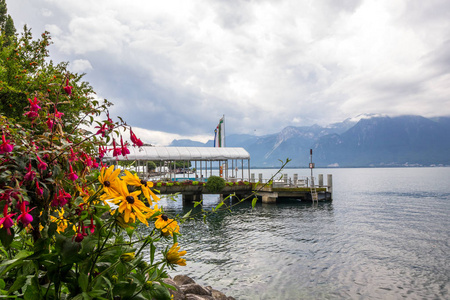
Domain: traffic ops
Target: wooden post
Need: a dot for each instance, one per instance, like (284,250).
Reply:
(330,183)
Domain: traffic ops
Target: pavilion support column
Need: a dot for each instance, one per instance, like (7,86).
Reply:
(269,197)
(190,198)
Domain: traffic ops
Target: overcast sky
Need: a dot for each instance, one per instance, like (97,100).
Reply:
(173,68)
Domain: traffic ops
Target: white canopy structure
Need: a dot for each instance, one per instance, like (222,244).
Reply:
(227,158)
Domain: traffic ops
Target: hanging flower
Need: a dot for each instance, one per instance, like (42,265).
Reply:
(31,115)
(25,216)
(110,123)
(123,147)
(173,256)
(101,151)
(39,190)
(42,165)
(116,150)
(6,146)
(68,88)
(135,140)
(72,175)
(92,226)
(102,129)
(58,114)
(34,104)
(50,123)
(30,175)
(7,222)
(61,199)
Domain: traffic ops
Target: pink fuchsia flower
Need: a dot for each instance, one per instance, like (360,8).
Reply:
(72,175)
(34,104)
(6,146)
(101,151)
(7,221)
(50,123)
(25,216)
(116,150)
(73,156)
(92,226)
(135,140)
(42,165)
(30,175)
(102,129)
(31,115)
(39,190)
(124,148)
(61,199)
(58,114)
(110,123)
(68,88)
(88,161)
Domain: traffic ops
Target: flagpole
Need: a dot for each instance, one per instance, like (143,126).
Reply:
(223,130)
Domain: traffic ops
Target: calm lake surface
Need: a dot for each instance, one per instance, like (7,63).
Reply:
(385,236)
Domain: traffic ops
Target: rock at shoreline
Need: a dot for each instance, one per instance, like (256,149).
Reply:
(187,289)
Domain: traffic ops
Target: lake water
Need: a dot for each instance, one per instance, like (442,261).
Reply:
(385,236)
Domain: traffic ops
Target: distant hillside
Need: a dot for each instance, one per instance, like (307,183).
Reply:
(367,140)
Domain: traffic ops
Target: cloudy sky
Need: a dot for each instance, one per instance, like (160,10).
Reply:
(173,68)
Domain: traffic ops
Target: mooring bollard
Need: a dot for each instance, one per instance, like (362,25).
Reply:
(260,177)
(252,177)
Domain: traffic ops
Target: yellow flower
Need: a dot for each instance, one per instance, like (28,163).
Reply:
(60,221)
(127,257)
(129,203)
(109,179)
(131,179)
(173,256)
(166,225)
(85,193)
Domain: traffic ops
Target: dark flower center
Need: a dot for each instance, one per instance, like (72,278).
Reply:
(143,182)
(164,217)
(107,183)
(130,199)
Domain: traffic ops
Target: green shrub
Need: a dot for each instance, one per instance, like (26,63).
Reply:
(215,184)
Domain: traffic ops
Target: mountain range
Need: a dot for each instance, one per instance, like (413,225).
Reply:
(364,141)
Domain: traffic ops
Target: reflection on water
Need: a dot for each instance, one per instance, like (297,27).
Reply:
(385,236)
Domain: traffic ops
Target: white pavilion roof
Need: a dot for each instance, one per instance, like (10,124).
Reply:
(182,153)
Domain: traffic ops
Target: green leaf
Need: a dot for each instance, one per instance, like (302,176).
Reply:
(254,202)
(83,281)
(159,292)
(219,205)
(2,284)
(32,290)
(187,215)
(17,284)
(6,237)
(152,253)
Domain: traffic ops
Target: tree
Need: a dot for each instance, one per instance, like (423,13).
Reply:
(6,24)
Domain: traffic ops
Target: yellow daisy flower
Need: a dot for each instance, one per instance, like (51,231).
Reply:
(129,203)
(133,179)
(166,225)
(173,256)
(109,178)
(62,223)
